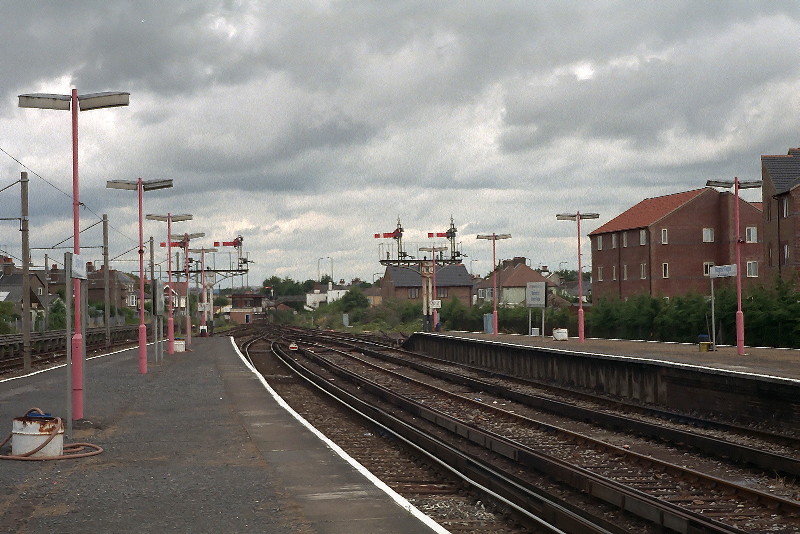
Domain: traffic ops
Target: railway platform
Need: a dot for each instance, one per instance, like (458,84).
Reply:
(198,444)
(783,363)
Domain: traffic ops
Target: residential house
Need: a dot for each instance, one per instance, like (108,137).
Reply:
(665,246)
(781,214)
(123,290)
(373,295)
(405,283)
(512,281)
(11,282)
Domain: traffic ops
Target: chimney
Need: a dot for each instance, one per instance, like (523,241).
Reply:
(89,267)
(8,265)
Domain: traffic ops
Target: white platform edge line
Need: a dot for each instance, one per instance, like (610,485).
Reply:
(396,497)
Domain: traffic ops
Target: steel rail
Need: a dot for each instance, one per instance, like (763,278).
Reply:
(484,478)
(660,512)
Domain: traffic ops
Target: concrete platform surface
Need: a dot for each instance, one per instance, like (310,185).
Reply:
(198,444)
(784,363)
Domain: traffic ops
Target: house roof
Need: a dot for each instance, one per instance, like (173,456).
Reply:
(783,170)
(648,211)
(514,275)
(446,276)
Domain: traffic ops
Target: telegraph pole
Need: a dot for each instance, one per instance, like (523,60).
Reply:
(26,277)
(106,298)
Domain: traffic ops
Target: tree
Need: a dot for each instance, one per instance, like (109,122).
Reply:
(354,299)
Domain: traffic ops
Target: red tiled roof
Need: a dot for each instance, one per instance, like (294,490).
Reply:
(648,211)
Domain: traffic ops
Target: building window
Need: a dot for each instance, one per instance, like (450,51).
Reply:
(643,271)
(600,273)
(613,240)
(752,269)
(664,239)
(40,291)
(441,292)
(624,239)
(624,272)
(751,234)
(599,242)
(490,293)
(665,270)
(786,254)
(613,272)
(707,265)
(785,206)
(642,237)
(769,255)
(413,292)
(132,300)
(708,235)
(481,293)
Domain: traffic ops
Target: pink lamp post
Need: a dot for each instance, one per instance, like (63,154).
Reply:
(75,102)
(577,217)
(169,219)
(737,185)
(494,237)
(141,186)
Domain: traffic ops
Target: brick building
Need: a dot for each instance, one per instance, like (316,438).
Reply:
(664,246)
(405,283)
(781,200)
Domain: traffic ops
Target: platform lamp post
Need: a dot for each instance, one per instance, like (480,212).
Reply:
(202,252)
(737,185)
(577,216)
(185,238)
(494,238)
(75,102)
(169,219)
(140,186)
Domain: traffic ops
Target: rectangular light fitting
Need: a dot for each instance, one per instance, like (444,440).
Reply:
(122,184)
(719,183)
(753,184)
(103,100)
(152,185)
(191,236)
(164,218)
(45,101)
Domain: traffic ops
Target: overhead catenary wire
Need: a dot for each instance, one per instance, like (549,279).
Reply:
(66,194)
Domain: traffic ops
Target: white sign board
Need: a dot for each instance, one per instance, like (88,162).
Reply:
(722,271)
(78,267)
(159,297)
(536,294)
(436,304)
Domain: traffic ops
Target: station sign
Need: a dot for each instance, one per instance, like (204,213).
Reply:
(722,271)
(536,294)
(79,267)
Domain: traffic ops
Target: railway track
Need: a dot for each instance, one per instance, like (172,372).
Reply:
(674,497)
(769,451)
(49,347)
(426,475)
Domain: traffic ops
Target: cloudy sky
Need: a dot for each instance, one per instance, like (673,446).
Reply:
(308,126)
